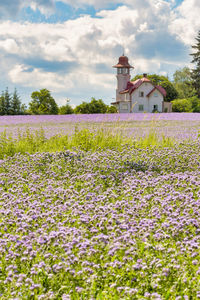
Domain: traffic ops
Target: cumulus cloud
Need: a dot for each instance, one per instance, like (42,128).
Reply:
(186,21)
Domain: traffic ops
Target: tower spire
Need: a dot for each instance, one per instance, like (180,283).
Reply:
(123,54)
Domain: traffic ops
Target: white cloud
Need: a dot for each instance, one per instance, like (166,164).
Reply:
(186,21)
(9,45)
(21,74)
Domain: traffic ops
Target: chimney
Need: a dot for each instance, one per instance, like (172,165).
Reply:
(145,75)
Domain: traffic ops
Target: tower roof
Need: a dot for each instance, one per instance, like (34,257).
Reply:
(123,63)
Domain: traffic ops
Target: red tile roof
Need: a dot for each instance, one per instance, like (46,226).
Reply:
(160,89)
(133,85)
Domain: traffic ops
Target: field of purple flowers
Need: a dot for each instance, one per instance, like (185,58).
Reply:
(176,125)
(109,224)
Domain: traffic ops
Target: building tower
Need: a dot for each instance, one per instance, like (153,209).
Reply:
(123,75)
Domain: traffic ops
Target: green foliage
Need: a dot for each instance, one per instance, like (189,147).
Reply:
(93,107)
(83,139)
(111,109)
(7,100)
(195,74)
(195,102)
(15,104)
(186,105)
(24,110)
(181,105)
(97,106)
(11,104)
(183,83)
(2,105)
(66,110)
(164,82)
(43,103)
(83,108)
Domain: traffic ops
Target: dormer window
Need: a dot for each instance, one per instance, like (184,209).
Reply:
(141,94)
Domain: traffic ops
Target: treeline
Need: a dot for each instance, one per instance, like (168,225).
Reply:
(43,103)
(188,98)
(10,104)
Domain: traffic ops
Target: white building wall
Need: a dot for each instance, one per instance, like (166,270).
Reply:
(147,102)
(124,107)
(145,87)
(156,100)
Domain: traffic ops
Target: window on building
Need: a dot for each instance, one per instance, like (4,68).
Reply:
(141,107)
(124,106)
(141,94)
(125,71)
(155,94)
(119,70)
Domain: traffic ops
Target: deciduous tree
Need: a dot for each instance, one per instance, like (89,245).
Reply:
(66,110)
(43,103)
(93,107)
(183,83)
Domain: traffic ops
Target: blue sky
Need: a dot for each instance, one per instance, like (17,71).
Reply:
(69,47)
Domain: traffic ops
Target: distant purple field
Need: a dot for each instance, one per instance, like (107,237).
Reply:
(12,120)
(177,125)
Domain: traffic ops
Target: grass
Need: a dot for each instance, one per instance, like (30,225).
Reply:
(82,139)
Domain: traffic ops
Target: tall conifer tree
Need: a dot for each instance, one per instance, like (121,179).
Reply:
(15,104)
(196,60)
(7,100)
(2,104)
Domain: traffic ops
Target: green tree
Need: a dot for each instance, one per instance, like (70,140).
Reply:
(183,83)
(2,104)
(66,110)
(15,107)
(164,82)
(195,102)
(181,105)
(83,108)
(93,107)
(196,60)
(111,109)
(7,100)
(24,110)
(97,106)
(43,103)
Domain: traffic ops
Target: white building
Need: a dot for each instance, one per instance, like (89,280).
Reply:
(140,95)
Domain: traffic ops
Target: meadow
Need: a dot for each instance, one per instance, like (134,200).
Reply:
(100,207)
